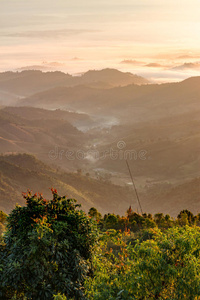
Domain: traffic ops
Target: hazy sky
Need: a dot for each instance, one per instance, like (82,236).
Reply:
(99,33)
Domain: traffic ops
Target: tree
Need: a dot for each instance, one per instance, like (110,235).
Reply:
(187,216)
(148,223)
(159,218)
(162,265)
(183,219)
(47,249)
(111,221)
(93,213)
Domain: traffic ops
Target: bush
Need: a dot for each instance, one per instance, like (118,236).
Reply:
(47,250)
(166,266)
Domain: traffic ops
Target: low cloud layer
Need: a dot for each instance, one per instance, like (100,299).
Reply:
(46,33)
(132,62)
(187,66)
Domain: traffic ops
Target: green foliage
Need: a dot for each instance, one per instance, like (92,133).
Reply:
(164,266)
(185,217)
(3,218)
(50,251)
(47,250)
(2,228)
(148,223)
(59,297)
(93,213)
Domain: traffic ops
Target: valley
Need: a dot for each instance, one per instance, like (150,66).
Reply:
(86,129)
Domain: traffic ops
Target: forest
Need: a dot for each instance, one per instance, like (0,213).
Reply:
(52,249)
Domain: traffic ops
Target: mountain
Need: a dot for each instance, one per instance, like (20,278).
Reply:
(26,83)
(112,77)
(131,103)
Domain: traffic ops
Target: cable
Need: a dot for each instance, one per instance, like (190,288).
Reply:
(138,199)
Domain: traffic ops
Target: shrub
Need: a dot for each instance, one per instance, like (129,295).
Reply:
(166,266)
(47,249)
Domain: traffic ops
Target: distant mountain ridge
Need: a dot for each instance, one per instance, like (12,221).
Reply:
(25,83)
(132,102)
(113,77)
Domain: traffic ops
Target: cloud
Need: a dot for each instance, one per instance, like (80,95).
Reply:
(187,66)
(154,65)
(53,64)
(144,64)
(47,33)
(187,56)
(33,67)
(132,62)
(45,66)
(177,56)
(76,58)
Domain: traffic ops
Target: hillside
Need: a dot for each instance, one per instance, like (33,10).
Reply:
(185,195)
(172,145)
(130,103)
(79,120)
(21,172)
(38,134)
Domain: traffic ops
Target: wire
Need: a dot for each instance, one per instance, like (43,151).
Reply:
(134,187)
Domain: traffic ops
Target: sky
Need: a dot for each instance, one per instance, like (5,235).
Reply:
(159,39)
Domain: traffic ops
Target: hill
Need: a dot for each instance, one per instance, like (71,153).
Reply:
(185,195)
(130,103)
(26,83)
(112,77)
(78,120)
(171,144)
(38,135)
(21,172)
